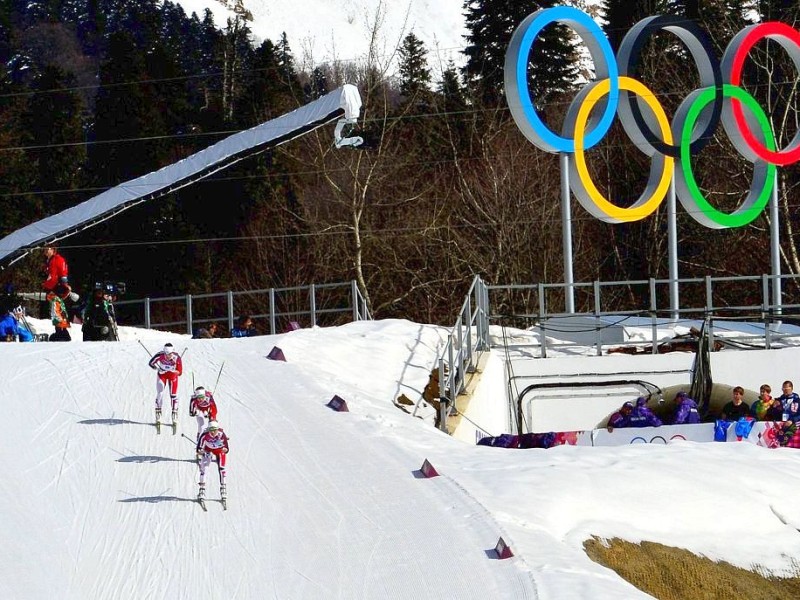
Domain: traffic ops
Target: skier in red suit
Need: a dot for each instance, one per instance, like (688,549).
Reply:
(169,365)
(202,407)
(213,443)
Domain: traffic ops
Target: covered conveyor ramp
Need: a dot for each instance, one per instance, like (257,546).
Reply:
(343,103)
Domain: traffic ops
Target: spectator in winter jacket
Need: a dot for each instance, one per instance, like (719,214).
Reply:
(57,273)
(621,418)
(98,324)
(207,334)
(685,410)
(245,327)
(788,395)
(793,412)
(58,315)
(55,268)
(643,416)
(766,408)
(25,331)
(736,408)
(9,329)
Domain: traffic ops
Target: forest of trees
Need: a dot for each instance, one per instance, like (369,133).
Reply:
(96,92)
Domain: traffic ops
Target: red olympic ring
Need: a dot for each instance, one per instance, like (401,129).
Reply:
(780,32)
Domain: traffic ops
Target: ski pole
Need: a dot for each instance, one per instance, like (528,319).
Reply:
(218,376)
(145,348)
(194,442)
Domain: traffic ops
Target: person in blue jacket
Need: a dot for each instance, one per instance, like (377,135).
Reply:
(788,396)
(244,328)
(793,412)
(26,332)
(9,329)
(685,410)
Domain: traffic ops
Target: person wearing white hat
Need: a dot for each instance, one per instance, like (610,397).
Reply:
(169,365)
(213,444)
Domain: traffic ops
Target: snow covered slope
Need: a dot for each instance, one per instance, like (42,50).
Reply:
(96,505)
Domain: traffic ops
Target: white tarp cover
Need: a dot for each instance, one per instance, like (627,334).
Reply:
(343,102)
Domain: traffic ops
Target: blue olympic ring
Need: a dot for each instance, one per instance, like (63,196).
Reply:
(516,75)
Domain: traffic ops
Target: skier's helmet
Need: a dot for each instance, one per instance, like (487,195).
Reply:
(213,426)
(199,392)
(168,348)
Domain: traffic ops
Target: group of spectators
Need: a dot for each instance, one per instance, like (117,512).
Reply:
(639,415)
(244,328)
(785,407)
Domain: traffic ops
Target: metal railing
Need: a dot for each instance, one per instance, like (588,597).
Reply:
(272,310)
(746,299)
(468,338)
(726,299)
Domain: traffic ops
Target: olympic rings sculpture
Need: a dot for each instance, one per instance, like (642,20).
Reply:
(670,145)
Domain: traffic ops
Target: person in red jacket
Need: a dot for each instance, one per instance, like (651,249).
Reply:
(55,268)
(169,365)
(212,444)
(202,407)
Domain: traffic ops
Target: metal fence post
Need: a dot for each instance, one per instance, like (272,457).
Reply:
(709,310)
(147,313)
(230,311)
(485,315)
(312,292)
(189,314)
(543,332)
(470,367)
(597,322)
(354,299)
(272,311)
(765,310)
(654,314)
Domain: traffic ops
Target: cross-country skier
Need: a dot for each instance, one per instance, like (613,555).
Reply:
(213,443)
(169,365)
(202,407)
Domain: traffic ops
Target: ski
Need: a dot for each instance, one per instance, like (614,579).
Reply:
(201,498)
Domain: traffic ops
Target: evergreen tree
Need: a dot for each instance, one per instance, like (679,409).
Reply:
(286,62)
(54,129)
(786,11)
(236,54)
(91,27)
(317,84)
(552,67)
(415,76)
(265,95)
(126,109)
(621,15)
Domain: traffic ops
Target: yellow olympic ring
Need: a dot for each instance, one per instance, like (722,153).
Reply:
(644,206)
